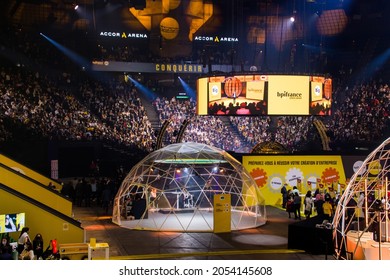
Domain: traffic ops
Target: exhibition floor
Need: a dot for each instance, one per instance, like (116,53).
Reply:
(268,242)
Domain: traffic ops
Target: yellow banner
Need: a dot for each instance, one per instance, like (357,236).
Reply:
(222,213)
(304,172)
(255,90)
(288,95)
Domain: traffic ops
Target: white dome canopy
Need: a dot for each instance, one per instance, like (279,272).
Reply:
(173,189)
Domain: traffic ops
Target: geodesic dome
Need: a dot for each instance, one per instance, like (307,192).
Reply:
(361,221)
(173,189)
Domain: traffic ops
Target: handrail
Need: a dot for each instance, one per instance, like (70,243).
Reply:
(46,208)
(33,181)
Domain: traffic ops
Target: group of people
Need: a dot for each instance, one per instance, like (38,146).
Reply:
(25,249)
(323,204)
(94,191)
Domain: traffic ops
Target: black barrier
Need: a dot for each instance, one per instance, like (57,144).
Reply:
(306,235)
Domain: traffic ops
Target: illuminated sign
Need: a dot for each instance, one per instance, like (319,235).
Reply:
(264,95)
(182,95)
(216,39)
(123,35)
(121,66)
(175,68)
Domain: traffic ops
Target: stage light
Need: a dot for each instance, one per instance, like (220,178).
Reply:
(292,19)
(76,7)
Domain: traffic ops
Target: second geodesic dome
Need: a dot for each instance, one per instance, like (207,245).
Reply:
(361,222)
(173,189)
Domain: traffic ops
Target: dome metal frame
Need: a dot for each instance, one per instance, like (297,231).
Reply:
(173,189)
(361,224)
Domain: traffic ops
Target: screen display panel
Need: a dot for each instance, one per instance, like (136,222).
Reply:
(264,95)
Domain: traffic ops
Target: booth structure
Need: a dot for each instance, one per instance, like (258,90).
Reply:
(362,219)
(174,189)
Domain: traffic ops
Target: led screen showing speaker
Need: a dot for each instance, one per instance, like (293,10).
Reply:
(264,95)
(11,222)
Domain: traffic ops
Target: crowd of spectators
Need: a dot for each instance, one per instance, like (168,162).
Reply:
(362,116)
(71,105)
(210,130)
(118,106)
(253,129)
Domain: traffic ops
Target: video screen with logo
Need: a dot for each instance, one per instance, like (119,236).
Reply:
(12,222)
(258,95)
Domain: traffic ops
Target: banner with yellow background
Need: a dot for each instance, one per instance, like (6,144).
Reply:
(304,172)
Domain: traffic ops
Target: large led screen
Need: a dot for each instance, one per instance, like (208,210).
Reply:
(264,95)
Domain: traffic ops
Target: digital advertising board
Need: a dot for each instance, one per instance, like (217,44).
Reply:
(258,94)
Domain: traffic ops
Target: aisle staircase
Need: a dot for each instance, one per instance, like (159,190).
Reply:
(233,131)
(150,111)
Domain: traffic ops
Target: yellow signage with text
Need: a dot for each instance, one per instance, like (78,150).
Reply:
(291,100)
(222,213)
(305,172)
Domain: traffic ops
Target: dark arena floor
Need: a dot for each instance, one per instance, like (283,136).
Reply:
(267,242)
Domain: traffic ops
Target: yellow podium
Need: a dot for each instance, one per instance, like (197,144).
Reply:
(93,246)
(222,213)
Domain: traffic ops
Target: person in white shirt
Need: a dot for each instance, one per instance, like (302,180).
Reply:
(23,238)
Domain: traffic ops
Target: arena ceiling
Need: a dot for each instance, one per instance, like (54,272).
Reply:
(61,13)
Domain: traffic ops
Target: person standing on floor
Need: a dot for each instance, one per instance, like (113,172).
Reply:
(327,209)
(290,204)
(283,191)
(297,206)
(360,206)
(308,204)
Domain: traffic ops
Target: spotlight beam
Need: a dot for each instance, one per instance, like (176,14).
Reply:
(143,89)
(191,92)
(78,59)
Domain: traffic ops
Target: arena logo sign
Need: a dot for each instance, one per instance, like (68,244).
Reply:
(216,39)
(123,35)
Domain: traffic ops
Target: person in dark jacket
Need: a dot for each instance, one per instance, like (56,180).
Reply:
(297,206)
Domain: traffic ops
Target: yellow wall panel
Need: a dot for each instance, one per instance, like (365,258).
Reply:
(40,221)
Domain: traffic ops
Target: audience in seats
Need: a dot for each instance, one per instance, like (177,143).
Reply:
(45,93)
